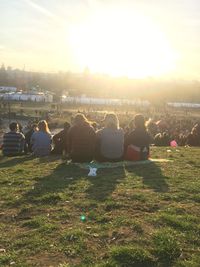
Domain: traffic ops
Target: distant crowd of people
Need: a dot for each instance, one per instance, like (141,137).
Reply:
(84,141)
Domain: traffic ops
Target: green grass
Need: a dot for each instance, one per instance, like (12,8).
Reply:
(144,215)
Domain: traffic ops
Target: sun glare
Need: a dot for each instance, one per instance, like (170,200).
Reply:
(122,43)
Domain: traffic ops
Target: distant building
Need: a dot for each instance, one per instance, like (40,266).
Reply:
(183,105)
(34,97)
(103,101)
(6,89)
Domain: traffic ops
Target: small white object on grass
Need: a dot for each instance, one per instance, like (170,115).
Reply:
(169,150)
(92,172)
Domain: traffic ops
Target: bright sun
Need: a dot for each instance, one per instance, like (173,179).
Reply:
(122,43)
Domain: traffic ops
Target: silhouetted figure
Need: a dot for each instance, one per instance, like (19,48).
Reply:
(28,135)
(60,140)
(162,139)
(193,138)
(138,141)
(81,140)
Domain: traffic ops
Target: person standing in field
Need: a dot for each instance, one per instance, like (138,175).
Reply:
(13,141)
(41,140)
(81,140)
(110,140)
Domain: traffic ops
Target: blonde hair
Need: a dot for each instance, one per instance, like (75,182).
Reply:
(43,126)
(111,121)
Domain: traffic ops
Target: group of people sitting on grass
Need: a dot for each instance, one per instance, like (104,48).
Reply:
(84,141)
(81,142)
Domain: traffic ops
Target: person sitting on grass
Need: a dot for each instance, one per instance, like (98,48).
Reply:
(60,140)
(193,139)
(162,139)
(138,141)
(13,141)
(81,140)
(110,140)
(28,135)
(41,140)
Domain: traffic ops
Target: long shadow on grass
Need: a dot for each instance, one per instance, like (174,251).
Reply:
(151,175)
(46,189)
(7,162)
(105,183)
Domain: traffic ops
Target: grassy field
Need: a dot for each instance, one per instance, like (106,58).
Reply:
(53,214)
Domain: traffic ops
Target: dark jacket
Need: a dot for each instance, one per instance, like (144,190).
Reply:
(139,138)
(60,142)
(193,139)
(28,145)
(81,142)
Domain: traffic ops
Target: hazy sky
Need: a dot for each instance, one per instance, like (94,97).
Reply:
(37,33)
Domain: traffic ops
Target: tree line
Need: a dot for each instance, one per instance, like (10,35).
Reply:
(101,85)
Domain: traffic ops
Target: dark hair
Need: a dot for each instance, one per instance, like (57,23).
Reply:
(34,125)
(66,125)
(13,126)
(80,119)
(139,121)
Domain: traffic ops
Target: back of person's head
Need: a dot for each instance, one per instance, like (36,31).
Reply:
(34,127)
(80,119)
(66,125)
(43,126)
(111,121)
(14,126)
(139,121)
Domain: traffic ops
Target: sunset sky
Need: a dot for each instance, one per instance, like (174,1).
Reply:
(139,39)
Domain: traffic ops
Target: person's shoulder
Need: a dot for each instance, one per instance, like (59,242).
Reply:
(21,135)
(49,135)
(92,130)
(72,128)
(133,132)
(6,134)
(121,130)
(102,130)
(34,134)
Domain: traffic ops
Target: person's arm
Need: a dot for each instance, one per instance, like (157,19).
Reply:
(98,144)
(57,137)
(22,143)
(69,140)
(32,140)
(127,141)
